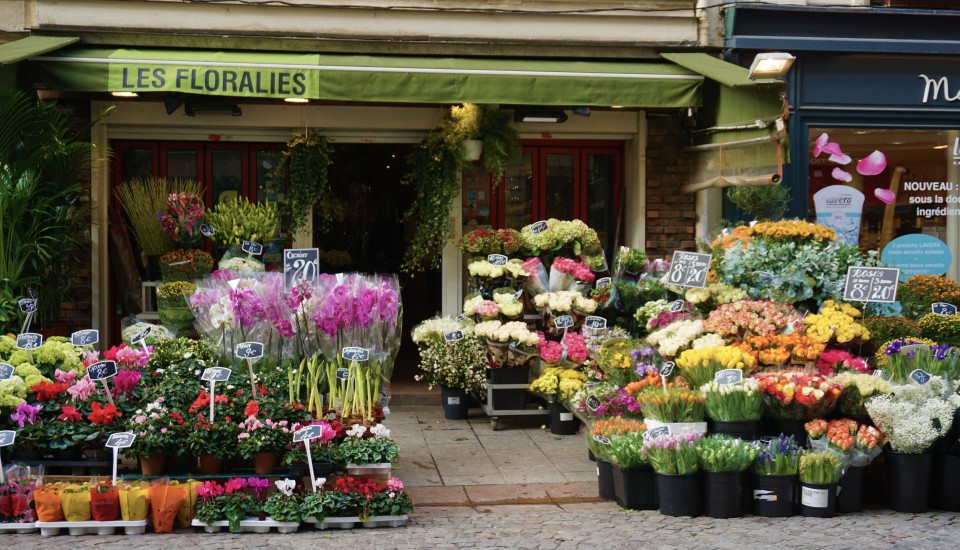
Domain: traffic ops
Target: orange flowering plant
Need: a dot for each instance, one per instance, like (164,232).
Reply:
(919,292)
(783,349)
(795,395)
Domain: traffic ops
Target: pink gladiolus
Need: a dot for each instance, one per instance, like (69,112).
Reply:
(872,164)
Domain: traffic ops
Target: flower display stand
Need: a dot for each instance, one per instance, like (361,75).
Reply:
(18,528)
(249,525)
(52,528)
(495,414)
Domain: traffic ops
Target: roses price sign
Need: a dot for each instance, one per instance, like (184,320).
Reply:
(120,440)
(689,269)
(871,284)
(300,265)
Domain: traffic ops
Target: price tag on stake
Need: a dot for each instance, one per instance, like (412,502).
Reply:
(667,368)
(120,440)
(518,295)
(943,308)
(497,259)
(307,433)
(87,337)
(656,432)
(355,354)
(538,227)
(601,439)
(207,230)
(216,374)
(139,337)
(595,322)
(27,305)
(453,335)
(29,340)
(676,306)
(252,248)
(563,321)
(461,317)
(7,437)
(593,403)
(249,350)
(343,374)
(603,282)
(300,265)
(102,370)
(878,373)
(871,284)
(729,376)
(6,371)
(689,269)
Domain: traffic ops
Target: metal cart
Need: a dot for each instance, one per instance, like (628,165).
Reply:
(495,414)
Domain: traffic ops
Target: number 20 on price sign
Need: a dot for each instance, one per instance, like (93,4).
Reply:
(871,284)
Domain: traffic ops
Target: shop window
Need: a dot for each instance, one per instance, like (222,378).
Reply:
(908,180)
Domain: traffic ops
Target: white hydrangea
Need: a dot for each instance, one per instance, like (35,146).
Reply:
(913,417)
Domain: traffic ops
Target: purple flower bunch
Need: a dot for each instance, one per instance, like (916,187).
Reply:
(646,359)
(673,454)
(616,402)
(26,414)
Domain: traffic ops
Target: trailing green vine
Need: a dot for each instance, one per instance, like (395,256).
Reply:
(305,161)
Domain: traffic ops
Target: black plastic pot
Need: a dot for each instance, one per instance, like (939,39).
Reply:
(635,488)
(774,496)
(946,490)
(723,494)
(850,499)
(747,430)
(908,480)
(455,404)
(605,486)
(562,421)
(679,495)
(818,501)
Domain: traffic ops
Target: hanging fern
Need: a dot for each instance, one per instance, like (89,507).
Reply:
(305,162)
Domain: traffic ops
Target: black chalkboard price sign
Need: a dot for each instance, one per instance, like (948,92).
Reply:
(497,259)
(29,340)
(249,350)
(252,248)
(216,374)
(7,437)
(943,308)
(141,336)
(563,321)
(920,376)
(538,227)
(871,284)
(6,371)
(595,322)
(689,269)
(355,354)
(27,305)
(120,440)
(656,432)
(87,337)
(300,265)
(102,370)
(729,376)
(667,368)
(307,433)
(453,335)
(207,230)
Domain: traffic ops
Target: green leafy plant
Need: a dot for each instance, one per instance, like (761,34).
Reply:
(237,220)
(721,453)
(765,202)
(820,468)
(283,507)
(304,162)
(370,450)
(626,451)
(501,141)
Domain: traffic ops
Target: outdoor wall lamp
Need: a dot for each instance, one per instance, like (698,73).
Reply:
(770,65)
(539,114)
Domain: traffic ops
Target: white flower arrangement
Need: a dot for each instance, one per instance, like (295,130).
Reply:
(675,337)
(913,417)
(485,269)
(241,264)
(158,333)
(461,364)
(514,331)
(709,340)
(432,330)
(564,301)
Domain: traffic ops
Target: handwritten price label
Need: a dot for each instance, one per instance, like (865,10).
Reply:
(497,259)
(729,376)
(29,340)
(7,437)
(252,248)
(87,337)
(27,305)
(920,376)
(249,350)
(563,321)
(300,265)
(689,269)
(216,374)
(538,227)
(355,354)
(595,322)
(102,370)
(943,308)
(667,369)
(207,230)
(307,433)
(453,335)
(871,284)
(659,431)
(6,371)
(120,440)
(141,336)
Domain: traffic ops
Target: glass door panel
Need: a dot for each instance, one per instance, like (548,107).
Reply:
(560,174)
(266,188)
(183,164)
(226,174)
(136,163)
(602,181)
(518,193)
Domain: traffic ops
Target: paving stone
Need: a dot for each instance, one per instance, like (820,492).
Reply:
(507,494)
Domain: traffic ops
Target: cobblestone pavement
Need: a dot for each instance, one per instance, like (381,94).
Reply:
(588,526)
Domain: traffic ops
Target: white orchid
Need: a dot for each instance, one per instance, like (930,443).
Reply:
(285,486)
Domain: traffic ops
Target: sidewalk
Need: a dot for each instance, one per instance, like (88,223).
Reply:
(467,463)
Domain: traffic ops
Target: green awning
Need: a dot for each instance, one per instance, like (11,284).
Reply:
(31,46)
(371,78)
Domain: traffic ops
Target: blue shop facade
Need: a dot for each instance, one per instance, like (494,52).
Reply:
(874,103)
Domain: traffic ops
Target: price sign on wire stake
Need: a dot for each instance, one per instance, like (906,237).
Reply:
(943,308)
(249,350)
(676,306)
(355,354)
(252,248)
(871,284)
(497,259)
(6,371)
(207,230)
(538,227)
(29,340)
(665,371)
(729,376)
(343,373)
(689,269)
(306,434)
(453,335)
(601,439)
(603,282)
(300,265)
(27,305)
(656,432)
(593,403)
(141,337)
(87,337)
(563,321)
(116,441)
(6,438)
(102,371)
(461,317)
(214,375)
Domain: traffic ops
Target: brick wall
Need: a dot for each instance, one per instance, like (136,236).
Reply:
(671,215)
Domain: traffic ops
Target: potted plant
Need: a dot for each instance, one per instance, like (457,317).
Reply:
(67,434)
(792,398)
(733,409)
(172,304)
(261,441)
(634,483)
(389,505)
(913,418)
(185,264)
(558,385)
(213,442)
(775,477)
(599,440)
(457,366)
(819,474)
(159,432)
(237,220)
(679,408)
(725,462)
(304,164)
(231,503)
(368,456)
(285,506)
(674,459)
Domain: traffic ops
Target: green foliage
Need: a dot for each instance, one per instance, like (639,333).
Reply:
(721,453)
(283,508)
(765,202)
(370,450)
(141,199)
(237,220)
(501,141)
(305,162)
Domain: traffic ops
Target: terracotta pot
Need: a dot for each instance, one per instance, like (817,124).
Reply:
(152,465)
(264,463)
(210,464)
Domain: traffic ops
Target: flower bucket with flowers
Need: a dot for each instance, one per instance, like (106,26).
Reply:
(725,463)
(674,459)
(819,474)
(775,477)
